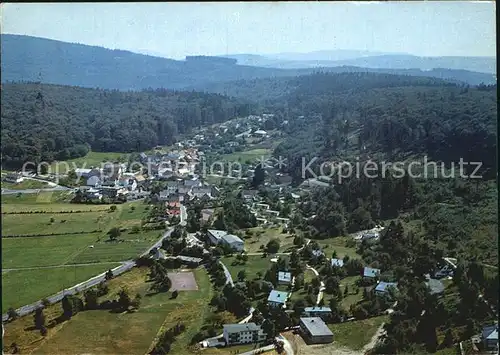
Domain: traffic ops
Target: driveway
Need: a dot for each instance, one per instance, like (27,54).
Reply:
(229,278)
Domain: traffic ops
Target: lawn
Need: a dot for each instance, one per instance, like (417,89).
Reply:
(27,286)
(45,197)
(253,155)
(255,263)
(355,335)
(102,332)
(339,245)
(19,224)
(91,159)
(51,208)
(262,236)
(25,184)
(44,251)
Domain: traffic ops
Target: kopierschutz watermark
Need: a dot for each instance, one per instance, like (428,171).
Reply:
(338,171)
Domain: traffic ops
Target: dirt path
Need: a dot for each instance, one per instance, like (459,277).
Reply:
(380,331)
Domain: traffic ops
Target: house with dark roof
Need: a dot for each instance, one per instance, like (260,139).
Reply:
(315,331)
(316,311)
(489,336)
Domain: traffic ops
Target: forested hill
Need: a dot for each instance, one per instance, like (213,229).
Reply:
(26,58)
(271,90)
(391,117)
(43,122)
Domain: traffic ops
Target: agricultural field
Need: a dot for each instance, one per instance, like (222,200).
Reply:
(25,184)
(338,244)
(255,264)
(43,197)
(262,236)
(21,287)
(355,335)
(68,257)
(101,331)
(89,160)
(251,155)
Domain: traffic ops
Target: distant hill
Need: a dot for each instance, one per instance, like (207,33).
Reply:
(26,58)
(366,59)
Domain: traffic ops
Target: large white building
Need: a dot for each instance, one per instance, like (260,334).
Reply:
(222,237)
(243,333)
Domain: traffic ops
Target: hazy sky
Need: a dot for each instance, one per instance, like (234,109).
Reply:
(179,29)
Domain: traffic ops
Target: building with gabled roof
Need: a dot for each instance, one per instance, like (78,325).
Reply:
(337,262)
(284,277)
(277,298)
(371,272)
(243,333)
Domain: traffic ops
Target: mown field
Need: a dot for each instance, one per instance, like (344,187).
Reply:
(261,236)
(21,287)
(104,332)
(89,160)
(252,155)
(355,335)
(54,254)
(25,184)
(255,264)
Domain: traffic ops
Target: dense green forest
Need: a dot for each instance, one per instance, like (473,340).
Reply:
(44,122)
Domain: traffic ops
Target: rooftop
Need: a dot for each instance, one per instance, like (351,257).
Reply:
(337,262)
(217,233)
(284,276)
(490,332)
(435,286)
(230,238)
(277,296)
(316,326)
(384,286)
(244,327)
(317,309)
(370,272)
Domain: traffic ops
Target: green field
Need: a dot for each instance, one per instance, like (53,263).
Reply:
(339,245)
(254,264)
(262,236)
(44,251)
(355,335)
(86,162)
(43,197)
(61,251)
(16,224)
(22,287)
(25,184)
(103,332)
(252,155)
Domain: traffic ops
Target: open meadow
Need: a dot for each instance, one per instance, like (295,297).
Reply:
(105,332)
(252,155)
(25,184)
(261,236)
(92,159)
(41,264)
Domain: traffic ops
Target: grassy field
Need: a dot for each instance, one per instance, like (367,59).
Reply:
(68,248)
(262,236)
(16,224)
(339,245)
(102,332)
(22,287)
(245,155)
(254,264)
(44,251)
(89,160)
(25,184)
(43,197)
(355,335)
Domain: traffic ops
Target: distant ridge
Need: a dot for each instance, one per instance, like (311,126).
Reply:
(26,58)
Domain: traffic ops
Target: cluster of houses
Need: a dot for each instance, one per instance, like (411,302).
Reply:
(185,190)
(262,211)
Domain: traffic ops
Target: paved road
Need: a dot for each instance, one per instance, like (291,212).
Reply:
(322,285)
(126,265)
(183,215)
(229,278)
